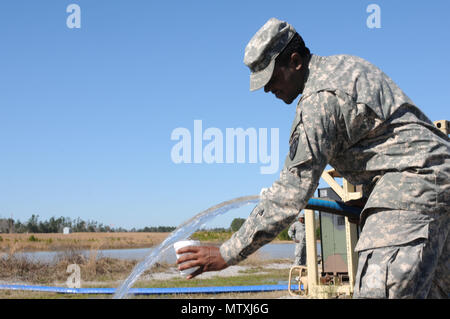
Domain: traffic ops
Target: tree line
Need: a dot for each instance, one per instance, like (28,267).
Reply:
(56,225)
(237,223)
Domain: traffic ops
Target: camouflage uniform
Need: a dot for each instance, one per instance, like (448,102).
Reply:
(354,117)
(297,232)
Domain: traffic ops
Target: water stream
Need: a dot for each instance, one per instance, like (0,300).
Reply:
(181,232)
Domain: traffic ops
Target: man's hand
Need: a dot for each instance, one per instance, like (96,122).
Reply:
(208,258)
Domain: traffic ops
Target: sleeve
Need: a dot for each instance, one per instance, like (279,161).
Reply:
(313,141)
(291,231)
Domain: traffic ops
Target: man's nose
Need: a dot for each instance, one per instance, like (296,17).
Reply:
(267,87)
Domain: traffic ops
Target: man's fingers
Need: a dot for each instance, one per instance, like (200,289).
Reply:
(207,258)
(186,257)
(190,264)
(188,249)
(195,273)
(187,253)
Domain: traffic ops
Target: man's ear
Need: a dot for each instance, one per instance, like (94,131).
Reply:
(296,61)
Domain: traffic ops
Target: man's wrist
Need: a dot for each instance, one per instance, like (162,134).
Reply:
(229,253)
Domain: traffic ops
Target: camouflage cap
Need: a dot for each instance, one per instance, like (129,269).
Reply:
(263,48)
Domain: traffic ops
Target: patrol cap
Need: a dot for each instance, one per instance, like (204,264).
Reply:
(262,50)
(301,214)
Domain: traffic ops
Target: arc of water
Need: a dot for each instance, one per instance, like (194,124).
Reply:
(181,232)
(190,226)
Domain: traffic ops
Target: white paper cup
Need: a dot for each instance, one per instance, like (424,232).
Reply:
(185,243)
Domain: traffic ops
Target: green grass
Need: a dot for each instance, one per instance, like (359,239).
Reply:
(221,236)
(213,236)
(32,238)
(249,277)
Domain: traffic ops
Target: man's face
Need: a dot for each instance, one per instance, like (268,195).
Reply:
(286,82)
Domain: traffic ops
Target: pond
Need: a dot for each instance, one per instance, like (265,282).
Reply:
(269,251)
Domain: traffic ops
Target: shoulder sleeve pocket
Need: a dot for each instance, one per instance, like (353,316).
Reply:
(299,149)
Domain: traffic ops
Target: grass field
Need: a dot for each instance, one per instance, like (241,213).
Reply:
(249,277)
(11,243)
(56,241)
(109,272)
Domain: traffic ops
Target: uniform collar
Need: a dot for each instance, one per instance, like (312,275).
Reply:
(311,73)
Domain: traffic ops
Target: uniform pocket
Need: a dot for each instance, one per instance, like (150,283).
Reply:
(370,281)
(443,190)
(299,149)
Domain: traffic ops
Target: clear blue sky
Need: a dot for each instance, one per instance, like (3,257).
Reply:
(86,115)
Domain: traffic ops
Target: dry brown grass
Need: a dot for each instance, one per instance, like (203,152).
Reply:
(109,272)
(20,269)
(49,242)
(95,272)
(75,241)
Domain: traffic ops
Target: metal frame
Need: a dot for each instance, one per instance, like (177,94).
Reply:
(443,125)
(315,289)
(303,280)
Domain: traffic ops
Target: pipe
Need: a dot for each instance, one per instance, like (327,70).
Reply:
(153,291)
(333,207)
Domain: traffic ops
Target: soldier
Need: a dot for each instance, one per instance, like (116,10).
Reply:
(354,117)
(297,233)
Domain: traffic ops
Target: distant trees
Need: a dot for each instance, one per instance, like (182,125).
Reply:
(158,229)
(236,224)
(6,225)
(56,225)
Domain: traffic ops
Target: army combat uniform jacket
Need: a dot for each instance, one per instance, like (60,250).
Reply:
(354,117)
